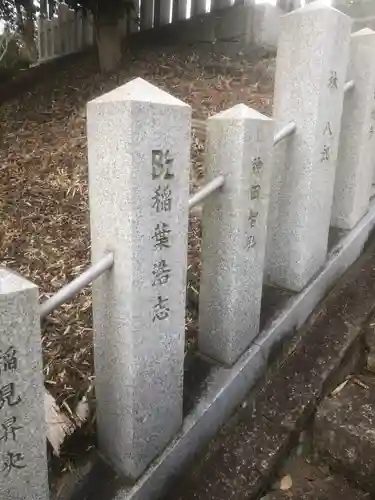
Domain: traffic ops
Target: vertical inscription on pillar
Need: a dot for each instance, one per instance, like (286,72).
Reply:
(162,202)
(255,192)
(11,458)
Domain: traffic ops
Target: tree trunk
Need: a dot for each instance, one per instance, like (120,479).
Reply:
(109,46)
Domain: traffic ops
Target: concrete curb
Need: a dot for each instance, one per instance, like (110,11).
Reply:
(226,388)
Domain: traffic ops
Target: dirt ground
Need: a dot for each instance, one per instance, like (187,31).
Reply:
(44,232)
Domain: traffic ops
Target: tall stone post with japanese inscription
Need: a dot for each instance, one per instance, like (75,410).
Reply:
(312,59)
(165,11)
(179,11)
(72,31)
(139,161)
(56,36)
(356,156)
(49,38)
(79,30)
(63,14)
(198,7)
(41,39)
(220,4)
(239,146)
(23,446)
(147,14)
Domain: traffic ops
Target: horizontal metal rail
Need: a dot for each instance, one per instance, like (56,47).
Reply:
(349,85)
(208,189)
(69,291)
(285,132)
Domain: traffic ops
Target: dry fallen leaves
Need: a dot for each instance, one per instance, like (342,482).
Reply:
(339,388)
(286,483)
(59,426)
(350,378)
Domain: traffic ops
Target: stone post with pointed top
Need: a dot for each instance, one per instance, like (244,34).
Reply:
(356,155)
(239,146)
(311,70)
(139,160)
(23,445)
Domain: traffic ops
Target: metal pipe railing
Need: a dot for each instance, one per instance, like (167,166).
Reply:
(93,272)
(208,189)
(218,182)
(71,289)
(285,132)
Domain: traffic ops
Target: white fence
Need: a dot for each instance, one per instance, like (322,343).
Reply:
(274,188)
(248,22)
(64,34)
(70,32)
